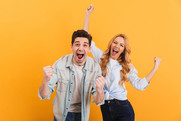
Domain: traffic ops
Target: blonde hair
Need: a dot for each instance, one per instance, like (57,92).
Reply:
(123,59)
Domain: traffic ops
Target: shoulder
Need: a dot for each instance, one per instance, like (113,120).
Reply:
(62,62)
(93,65)
(132,68)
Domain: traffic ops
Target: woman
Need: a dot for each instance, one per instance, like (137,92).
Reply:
(117,69)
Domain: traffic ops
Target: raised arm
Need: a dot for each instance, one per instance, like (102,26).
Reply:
(152,72)
(98,88)
(139,83)
(49,82)
(96,52)
(44,90)
(89,10)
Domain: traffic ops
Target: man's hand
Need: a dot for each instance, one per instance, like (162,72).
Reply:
(100,82)
(47,72)
(87,16)
(90,9)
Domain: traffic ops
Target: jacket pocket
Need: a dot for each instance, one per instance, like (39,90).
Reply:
(63,85)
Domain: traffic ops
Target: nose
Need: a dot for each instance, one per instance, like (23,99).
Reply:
(117,45)
(81,47)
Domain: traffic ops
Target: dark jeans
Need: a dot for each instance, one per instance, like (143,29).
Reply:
(72,117)
(117,110)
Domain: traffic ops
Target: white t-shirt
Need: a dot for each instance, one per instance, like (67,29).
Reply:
(75,105)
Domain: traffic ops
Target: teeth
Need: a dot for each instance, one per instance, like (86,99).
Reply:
(115,51)
(80,54)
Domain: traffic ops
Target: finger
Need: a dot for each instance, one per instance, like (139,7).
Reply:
(99,76)
(155,59)
(48,66)
(97,84)
(51,68)
(99,80)
(158,59)
(103,80)
(92,7)
(50,71)
(89,8)
(51,74)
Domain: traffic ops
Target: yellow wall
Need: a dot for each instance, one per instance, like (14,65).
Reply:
(35,33)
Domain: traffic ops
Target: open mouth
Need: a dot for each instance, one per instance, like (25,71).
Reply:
(80,56)
(114,52)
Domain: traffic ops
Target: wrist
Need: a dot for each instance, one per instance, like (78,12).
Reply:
(45,80)
(155,68)
(87,14)
(100,91)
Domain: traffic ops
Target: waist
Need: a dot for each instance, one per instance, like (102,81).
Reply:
(116,101)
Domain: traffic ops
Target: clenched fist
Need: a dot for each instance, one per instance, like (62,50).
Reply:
(90,9)
(47,72)
(100,82)
(157,62)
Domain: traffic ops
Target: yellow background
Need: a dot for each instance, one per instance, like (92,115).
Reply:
(35,33)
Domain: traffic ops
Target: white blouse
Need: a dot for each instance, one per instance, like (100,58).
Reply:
(112,88)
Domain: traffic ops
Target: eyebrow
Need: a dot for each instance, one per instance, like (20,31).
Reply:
(86,43)
(117,42)
(79,42)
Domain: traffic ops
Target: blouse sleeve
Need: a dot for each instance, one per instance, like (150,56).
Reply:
(136,82)
(96,52)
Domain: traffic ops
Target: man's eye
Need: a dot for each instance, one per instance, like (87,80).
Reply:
(85,45)
(76,44)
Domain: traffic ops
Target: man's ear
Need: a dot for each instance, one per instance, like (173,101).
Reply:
(90,49)
(71,48)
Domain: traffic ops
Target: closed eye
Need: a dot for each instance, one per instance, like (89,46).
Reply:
(115,42)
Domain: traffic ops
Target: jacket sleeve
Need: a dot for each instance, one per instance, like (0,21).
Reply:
(94,92)
(52,83)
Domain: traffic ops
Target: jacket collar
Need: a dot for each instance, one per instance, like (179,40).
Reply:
(87,65)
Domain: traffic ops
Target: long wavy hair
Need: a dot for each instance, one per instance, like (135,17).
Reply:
(123,59)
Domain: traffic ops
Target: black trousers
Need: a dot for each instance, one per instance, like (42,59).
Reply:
(117,110)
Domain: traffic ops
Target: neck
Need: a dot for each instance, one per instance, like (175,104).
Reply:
(78,64)
(114,58)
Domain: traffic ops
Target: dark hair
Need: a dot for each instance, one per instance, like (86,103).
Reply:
(81,33)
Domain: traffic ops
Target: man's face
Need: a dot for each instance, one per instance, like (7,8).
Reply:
(80,49)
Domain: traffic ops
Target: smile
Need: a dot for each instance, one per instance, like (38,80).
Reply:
(80,56)
(115,51)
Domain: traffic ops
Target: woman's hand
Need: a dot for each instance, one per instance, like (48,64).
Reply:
(157,62)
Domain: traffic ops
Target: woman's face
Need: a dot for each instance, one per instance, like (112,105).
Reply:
(117,47)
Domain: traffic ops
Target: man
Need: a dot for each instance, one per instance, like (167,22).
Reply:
(76,76)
